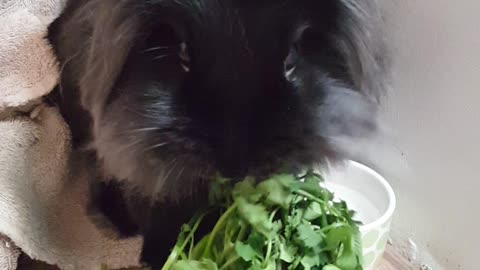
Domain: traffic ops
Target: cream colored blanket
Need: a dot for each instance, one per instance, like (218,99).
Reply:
(43,189)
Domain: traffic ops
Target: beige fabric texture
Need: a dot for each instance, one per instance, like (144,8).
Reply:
(43,187)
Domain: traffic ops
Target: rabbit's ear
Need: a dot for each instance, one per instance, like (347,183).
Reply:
(113,33)
(93,47)
(361,42)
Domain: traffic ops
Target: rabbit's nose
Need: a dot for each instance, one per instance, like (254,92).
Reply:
(232,156)
(233,169)
(233,161)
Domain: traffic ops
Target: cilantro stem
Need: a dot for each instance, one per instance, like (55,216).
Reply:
(319,201)
(272,215)
(270,242)
(225,253)
(333,226)
(217,228)
(190,250)
(324,216)
(269,252)
(239,237)
(242,232)
(307,195)
(230,262)
(322,203)
(178,250)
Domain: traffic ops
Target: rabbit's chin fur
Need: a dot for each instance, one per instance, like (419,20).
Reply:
(168,93)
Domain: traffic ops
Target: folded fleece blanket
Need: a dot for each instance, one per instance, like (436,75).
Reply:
(43,187)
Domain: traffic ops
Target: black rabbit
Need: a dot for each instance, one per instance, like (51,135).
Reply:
(167,93)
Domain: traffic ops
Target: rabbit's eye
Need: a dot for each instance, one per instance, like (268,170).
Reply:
(184,57)
(291,62)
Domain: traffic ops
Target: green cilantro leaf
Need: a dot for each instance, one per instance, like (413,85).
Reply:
(287,251)
(246,252)
(308,236)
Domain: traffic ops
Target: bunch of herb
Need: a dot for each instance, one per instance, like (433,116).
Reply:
(285,222)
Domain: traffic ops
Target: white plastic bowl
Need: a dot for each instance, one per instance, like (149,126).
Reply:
(372,197)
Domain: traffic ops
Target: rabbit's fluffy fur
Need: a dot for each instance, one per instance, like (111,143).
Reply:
(169,92)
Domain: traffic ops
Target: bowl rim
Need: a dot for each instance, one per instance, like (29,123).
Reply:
(388,214)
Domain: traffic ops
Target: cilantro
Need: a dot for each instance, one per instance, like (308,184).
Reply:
(309,237)
(285,222)
(246,252)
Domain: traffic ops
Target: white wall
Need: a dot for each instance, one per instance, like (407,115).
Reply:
(435,115)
